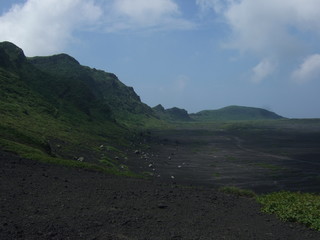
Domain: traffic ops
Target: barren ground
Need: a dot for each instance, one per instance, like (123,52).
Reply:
(271,161)
(42,201)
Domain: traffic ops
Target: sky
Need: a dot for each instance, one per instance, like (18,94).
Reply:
(191,54)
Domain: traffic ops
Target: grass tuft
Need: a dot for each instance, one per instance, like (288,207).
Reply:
(237,191)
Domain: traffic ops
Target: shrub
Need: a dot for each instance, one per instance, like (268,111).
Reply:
(294,207)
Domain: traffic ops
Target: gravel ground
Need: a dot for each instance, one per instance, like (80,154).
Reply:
(43,201)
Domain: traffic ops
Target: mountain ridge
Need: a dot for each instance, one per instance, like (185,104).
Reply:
(104,87)
(62,80)
(171,114)
(92,90)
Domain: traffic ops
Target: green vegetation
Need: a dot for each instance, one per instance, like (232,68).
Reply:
(268,166)
(172,114)
(237,191)
(231,158)
(59,108)
(234,113)
(288,206)
(52,108)
(109,163)
(294,207)
(38,155)
(217,175)
(196,149)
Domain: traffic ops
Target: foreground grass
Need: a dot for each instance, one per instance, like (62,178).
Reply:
(32,153)
(293,207)
(298,207)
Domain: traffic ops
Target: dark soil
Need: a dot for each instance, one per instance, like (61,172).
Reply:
(42,201)
(263,161)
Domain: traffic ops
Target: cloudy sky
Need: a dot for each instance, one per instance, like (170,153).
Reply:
(193,54)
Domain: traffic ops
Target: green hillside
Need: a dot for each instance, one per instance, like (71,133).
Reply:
(91,89)
(235,113)
(65,110)
(56,109)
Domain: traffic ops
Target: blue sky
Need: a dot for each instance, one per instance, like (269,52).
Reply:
(192,54)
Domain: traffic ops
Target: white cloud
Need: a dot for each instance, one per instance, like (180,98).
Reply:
(269,29)
(205,5)
(45,26)
(42,27)
(264,69)
(260,26)
(146,10)
(143,14)
(216,5)
(309,70)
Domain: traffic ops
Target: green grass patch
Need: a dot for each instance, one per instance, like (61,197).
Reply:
(32,153)
(216,175)
(237,191)
(195,150)
(231,158)
(112,149)
(293,207)
(268,166)
(108,162)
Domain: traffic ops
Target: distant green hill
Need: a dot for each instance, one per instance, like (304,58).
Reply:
(234,113)
(171,114)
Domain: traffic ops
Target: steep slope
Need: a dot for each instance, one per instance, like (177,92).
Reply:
(62,109)
(233,113)
(63,82)
(98,88)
